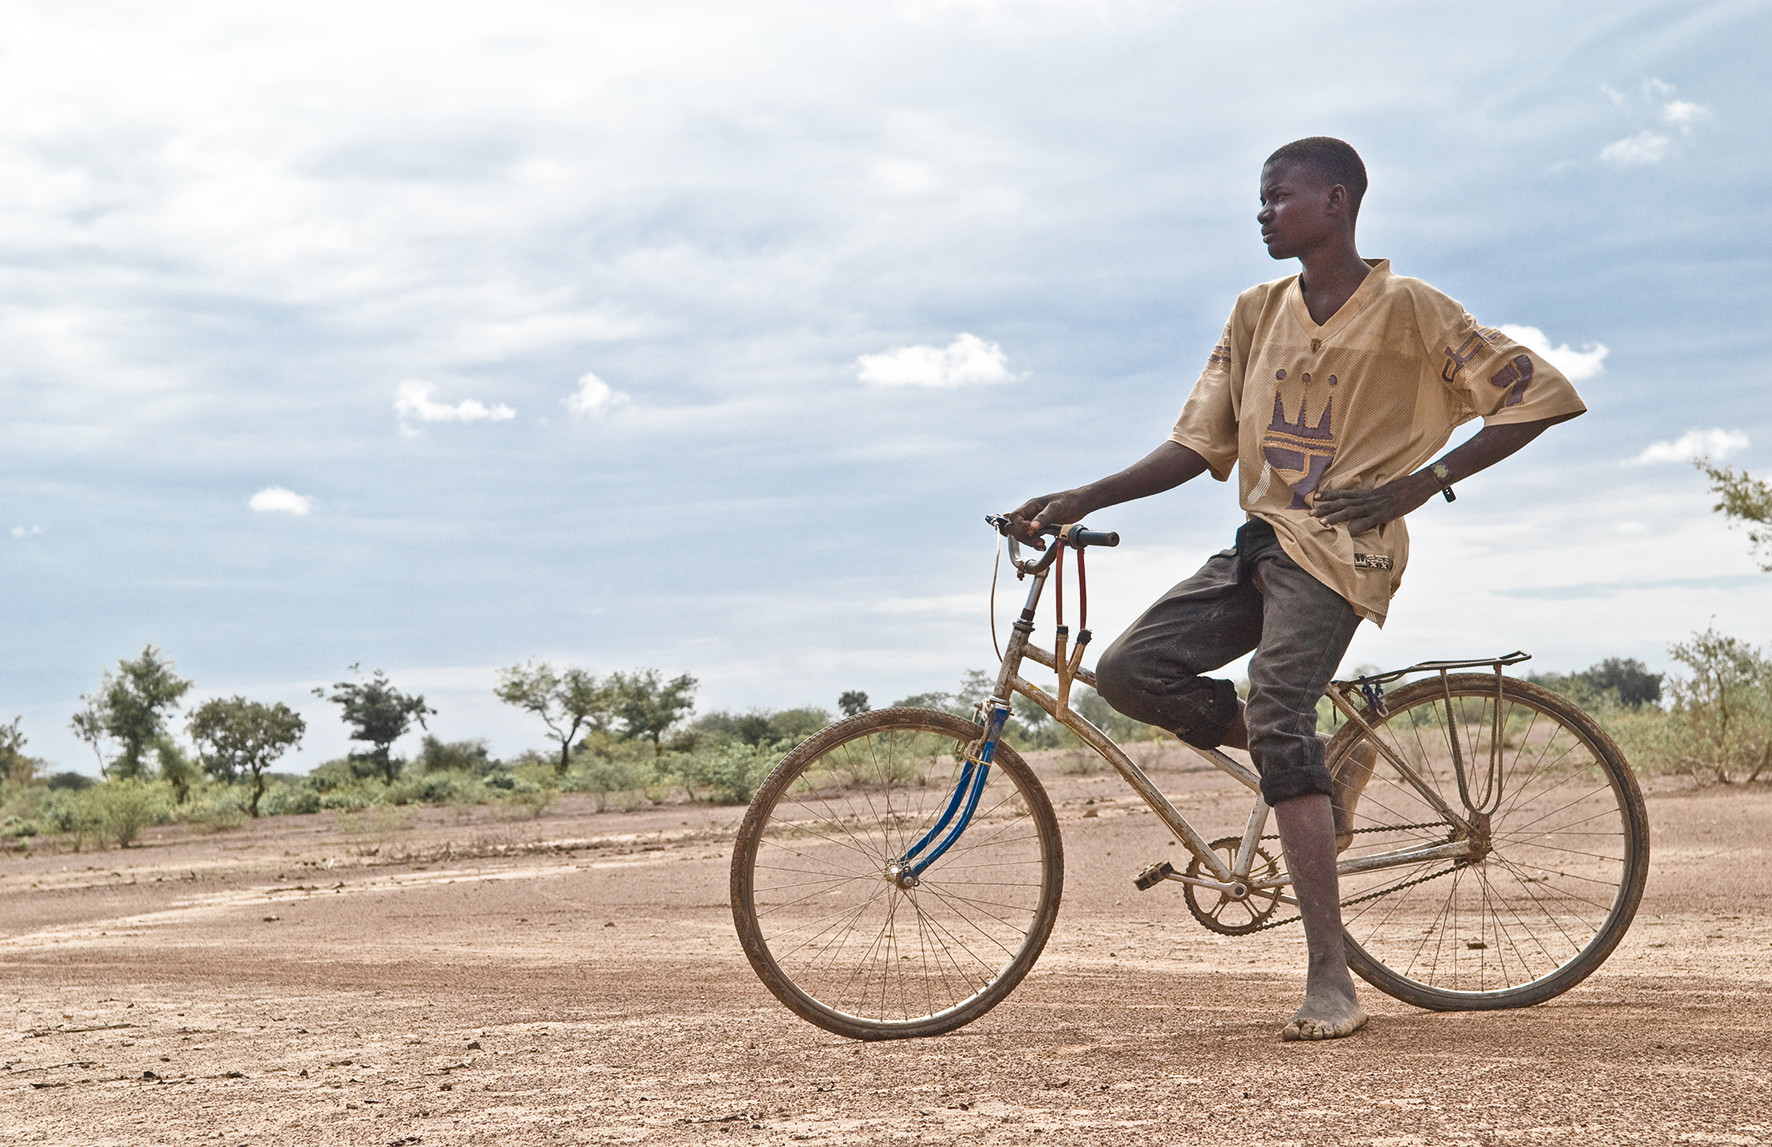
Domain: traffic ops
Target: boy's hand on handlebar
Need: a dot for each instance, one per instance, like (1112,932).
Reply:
(1047,512)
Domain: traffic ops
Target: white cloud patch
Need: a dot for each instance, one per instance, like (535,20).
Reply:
(1575,364)
(1713,443)
(414,401)
(594,396)
(967,361)
(1645,147)
(26,531)
(1683,114)
(277,500)
(1651,146)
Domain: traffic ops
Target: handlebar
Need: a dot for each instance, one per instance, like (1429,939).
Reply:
(1073,535)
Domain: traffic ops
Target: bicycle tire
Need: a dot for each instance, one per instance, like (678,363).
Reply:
(1568,847)
(842,945)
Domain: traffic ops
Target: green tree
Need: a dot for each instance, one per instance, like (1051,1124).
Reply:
(15,766)
(238,738)
(646,705)
(853,703)
(1722,715)
(176,768)
(378,715)
(1627,677)
(568,701)
(130,707)
(471,757)
(1742,498)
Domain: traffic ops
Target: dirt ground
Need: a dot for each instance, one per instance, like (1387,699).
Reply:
(436,977)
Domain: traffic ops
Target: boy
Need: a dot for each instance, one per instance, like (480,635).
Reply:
(1327,392)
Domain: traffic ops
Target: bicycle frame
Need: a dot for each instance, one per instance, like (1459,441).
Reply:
(1231,878)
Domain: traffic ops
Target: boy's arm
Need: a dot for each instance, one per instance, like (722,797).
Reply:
(1164,468)
(1362,510)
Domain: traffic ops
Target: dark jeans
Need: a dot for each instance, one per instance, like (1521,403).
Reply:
(1251,596)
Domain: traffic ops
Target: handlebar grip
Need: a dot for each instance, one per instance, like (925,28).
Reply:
(1076,535)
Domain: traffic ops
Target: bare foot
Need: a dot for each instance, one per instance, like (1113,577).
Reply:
(1314,1021)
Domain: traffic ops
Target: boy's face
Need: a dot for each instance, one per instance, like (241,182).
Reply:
(1299,209)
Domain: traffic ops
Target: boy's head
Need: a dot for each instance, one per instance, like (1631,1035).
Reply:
(1333,160)
(1310,188)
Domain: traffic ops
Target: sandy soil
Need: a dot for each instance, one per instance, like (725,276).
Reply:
(445,978)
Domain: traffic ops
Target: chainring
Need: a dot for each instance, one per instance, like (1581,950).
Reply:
(1247,915)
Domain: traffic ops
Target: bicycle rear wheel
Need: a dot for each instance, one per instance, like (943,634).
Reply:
(842,944)
(1560,861)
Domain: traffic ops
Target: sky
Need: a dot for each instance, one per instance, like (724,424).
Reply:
(439,337)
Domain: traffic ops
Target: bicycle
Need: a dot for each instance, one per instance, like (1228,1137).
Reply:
(899,872)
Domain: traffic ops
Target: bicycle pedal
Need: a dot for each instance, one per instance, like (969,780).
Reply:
(1154,875)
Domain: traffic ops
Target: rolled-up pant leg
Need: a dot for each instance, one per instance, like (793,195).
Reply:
(1305,631)
(1153,671)
(1249,597)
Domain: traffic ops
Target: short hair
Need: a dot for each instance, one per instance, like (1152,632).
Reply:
(1332,158)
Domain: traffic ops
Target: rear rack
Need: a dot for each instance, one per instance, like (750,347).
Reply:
(1494,663)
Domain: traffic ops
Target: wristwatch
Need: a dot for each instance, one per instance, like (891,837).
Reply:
(1444,477)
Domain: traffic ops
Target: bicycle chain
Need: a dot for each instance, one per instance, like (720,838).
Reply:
(1449,869)
(1382,891)
(1384,828)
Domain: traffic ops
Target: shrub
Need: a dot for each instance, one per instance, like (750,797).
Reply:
(730,772)
(533,787)
(215,808)
(285,799)
(70,781)
(442,787)
(1722,715)
(70,811)
(123,808)
(343,772)
(351,797)
(606,777)
(13,827)
(21,807)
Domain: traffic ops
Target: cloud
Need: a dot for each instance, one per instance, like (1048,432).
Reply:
(593,395)
(1647,146)
(25,532)
(1576,364)
(1684,113)
(277,500)
(1612,93)
(1655,89)
(415,401)
(967,361)
(1713,443)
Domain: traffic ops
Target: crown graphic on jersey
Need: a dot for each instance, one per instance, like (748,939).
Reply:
(1323,431)
(1300,447)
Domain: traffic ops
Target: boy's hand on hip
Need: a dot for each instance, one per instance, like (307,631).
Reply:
(1363,510)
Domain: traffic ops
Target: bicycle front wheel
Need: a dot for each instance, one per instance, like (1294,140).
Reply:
(823,921)
(1558,836)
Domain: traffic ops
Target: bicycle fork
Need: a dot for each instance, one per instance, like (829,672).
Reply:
(907,869)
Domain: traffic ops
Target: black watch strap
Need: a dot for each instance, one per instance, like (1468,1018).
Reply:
(1444,477)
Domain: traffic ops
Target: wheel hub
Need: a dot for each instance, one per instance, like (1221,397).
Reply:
(899,873)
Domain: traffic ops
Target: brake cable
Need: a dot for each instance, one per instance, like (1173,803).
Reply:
(996,564)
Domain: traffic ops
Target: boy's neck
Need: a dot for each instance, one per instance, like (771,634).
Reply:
(1332,273)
